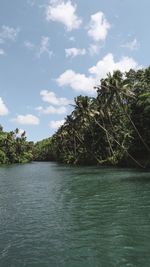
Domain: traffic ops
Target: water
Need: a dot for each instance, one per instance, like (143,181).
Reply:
(53,215)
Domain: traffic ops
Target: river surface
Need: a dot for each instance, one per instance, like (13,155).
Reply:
(52,215)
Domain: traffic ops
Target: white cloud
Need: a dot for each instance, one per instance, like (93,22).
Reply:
(108,64)
(65,13)
(133,45)
(2,52)
(50,97)
(72,38)
(28,119)
(73,52)
(29,45)
(52,110)
(21,131)
(98,27)
(77,81)
(3,108)
(81,82)
(44,47)
(8,33)
(94,49)
(56,124)
(31,2)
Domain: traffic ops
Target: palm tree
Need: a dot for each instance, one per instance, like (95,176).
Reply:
(116,89)
(16,130)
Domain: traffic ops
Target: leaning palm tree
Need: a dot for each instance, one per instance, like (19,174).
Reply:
(110,136)
(115,89)
(80,122)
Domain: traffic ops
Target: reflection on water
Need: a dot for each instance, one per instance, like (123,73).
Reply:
(53,215)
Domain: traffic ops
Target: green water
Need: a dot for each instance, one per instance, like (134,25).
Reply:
(53,215)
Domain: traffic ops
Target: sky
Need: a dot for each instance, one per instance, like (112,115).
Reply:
(53,51)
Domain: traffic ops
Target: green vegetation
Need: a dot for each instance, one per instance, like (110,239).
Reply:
(14,148)
(43,150)
(112,129)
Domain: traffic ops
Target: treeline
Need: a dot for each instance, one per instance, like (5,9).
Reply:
(14,147)
(43,150)
(112,128)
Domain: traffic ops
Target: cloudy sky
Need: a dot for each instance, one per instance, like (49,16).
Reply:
(52,51)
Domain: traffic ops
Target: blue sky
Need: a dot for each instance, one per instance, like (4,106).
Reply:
(52,51)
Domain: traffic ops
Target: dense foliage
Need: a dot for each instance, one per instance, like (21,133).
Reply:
(112,128)
(43,150)
(14,148)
